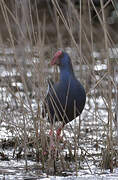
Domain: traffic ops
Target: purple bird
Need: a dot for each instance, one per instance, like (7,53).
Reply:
(65,99)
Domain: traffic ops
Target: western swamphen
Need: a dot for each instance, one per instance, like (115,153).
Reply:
(65,99)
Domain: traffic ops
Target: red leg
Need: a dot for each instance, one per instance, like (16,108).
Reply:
(59,131)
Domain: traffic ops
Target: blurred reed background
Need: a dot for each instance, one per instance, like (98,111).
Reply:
(31,32)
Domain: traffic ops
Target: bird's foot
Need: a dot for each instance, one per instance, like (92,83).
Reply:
(58,133)
(45,153)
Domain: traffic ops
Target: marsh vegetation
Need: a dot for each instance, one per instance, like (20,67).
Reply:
(30,34)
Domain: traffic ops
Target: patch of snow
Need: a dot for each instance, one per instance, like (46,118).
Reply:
(96,54)
(113,52)
(99,67)
(5,73)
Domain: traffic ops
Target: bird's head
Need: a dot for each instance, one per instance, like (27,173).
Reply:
(61,58)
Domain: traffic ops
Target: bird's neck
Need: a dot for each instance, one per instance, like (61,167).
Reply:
(66,74)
